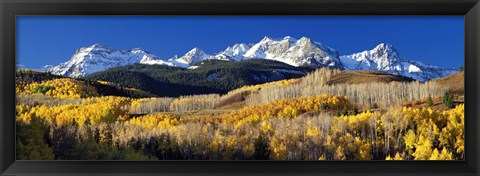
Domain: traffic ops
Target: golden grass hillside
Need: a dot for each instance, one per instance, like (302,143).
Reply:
(456,82)
(365,76)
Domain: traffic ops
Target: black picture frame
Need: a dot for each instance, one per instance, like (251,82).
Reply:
(11,8)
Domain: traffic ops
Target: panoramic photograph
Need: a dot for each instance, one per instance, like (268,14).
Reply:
(240,88)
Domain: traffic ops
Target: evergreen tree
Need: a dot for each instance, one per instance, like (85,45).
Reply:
(448,99)
(429,101)
(262,152)
(31,141)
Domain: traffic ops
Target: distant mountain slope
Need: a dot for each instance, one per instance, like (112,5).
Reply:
(366,76)
(210,76)
(456,82)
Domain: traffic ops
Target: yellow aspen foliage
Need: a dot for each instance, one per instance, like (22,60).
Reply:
(444,155)
(423,149)
(155,121)
(312,132)
(92,110)
(435,155)
(305,128)
(251,88)
(460,144)
(340,153)
(288,108)
(214,145)
(456,122)
(329,141)
(266,127)
(398,156)
(410,139)
(364,152)
(280,151)
(61,88)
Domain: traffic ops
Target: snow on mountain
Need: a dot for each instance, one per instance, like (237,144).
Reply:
(193,56)
(385,57)
(295,52)
(233,53)
(100,57)
(45,68)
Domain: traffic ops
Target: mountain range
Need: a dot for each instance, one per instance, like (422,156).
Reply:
(294,52)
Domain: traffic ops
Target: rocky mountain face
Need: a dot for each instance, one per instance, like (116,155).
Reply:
(101,57)
(384,57)
(234,53)
(295,52)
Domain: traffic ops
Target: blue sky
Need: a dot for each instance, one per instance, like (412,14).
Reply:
(50,40)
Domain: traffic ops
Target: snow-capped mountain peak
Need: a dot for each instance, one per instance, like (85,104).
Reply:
(294,52)
(385,57)
(289,38)
(381,57)
(386,50)
(99,57)
(305,39)
(139,51)
(384,46)
(237,49)
(234,53)
(265,39)
(195,50)
(193,56)
(98,47)
(289,50)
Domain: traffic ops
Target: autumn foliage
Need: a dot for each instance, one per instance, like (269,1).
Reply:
(61,88)
(71,121)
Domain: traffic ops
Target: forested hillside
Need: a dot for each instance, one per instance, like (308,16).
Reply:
(211,76)
(319,116)
(25,77)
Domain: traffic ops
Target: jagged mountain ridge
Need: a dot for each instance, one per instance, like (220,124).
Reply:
(100,57)
(384,57)
(295,52)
